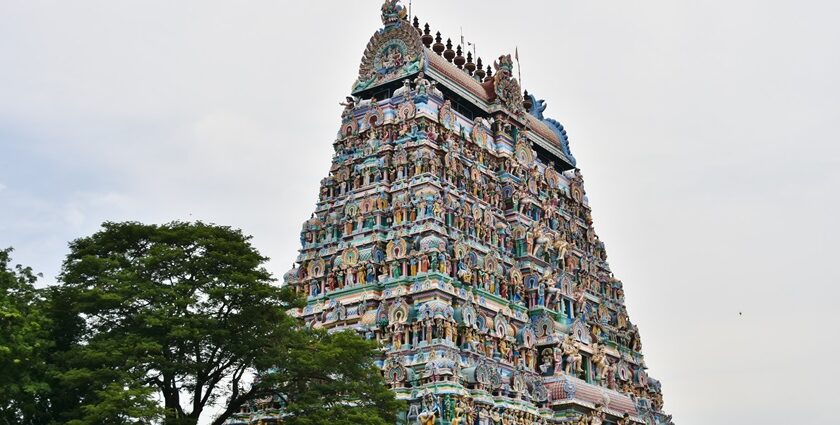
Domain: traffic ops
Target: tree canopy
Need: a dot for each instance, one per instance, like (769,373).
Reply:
(23,342)
(166,323)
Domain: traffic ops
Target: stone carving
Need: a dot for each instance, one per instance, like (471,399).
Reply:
(430,411)
(506,87)
(571,352)
(601,361)
(464,245)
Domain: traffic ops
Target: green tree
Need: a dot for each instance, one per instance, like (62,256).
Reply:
(24,340)
(330,379)
(187,314)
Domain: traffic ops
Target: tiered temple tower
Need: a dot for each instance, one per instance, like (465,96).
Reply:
(454,228)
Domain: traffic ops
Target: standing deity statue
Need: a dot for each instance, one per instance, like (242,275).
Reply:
(396,337)
(460,415)
(573,358)
(529,242)
(601,361)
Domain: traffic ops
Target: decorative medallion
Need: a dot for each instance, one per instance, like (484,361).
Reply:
(501,326)
(394,52)
(395,373)
(515,276)
(316,268)
(623,371)
(350,256)
(406,111)
(374,117)
(461,250)
(469,315)
(349,129)
(581,333)
(351,209)
(398,314)
(544,326)
(396,249)
(552,177)
(491,264)
(529,338)
(538,390)
(524,153)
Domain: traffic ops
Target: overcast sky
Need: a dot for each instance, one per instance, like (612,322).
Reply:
(706,131)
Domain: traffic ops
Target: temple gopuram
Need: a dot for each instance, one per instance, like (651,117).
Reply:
(454,229)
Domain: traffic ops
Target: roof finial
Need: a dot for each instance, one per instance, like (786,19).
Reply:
(459,58)
(427,36)
(489,74)
(470,66)
(438,46)
(417,26)
(479,71)
(449,54)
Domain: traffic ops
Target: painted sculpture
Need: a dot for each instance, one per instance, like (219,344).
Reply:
(454,229)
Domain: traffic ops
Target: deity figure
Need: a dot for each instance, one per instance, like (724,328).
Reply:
(601,361)
(331,281)
(529,242)
(460,413)
(349,105)
(464,273)
(396,337)
(541,239)
(547,360)
(371,274)
(495,417)
(573,358)
(360,275)
(507,419)
(579,298)
(622,320)
(530,359)
(596,417)
(625,420)
(421,84)
(438,208)
(449,331)
(348,277)
(504,349)
(430,411)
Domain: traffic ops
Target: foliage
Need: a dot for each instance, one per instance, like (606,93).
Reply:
(23,341)
(186,313)
(331,379)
